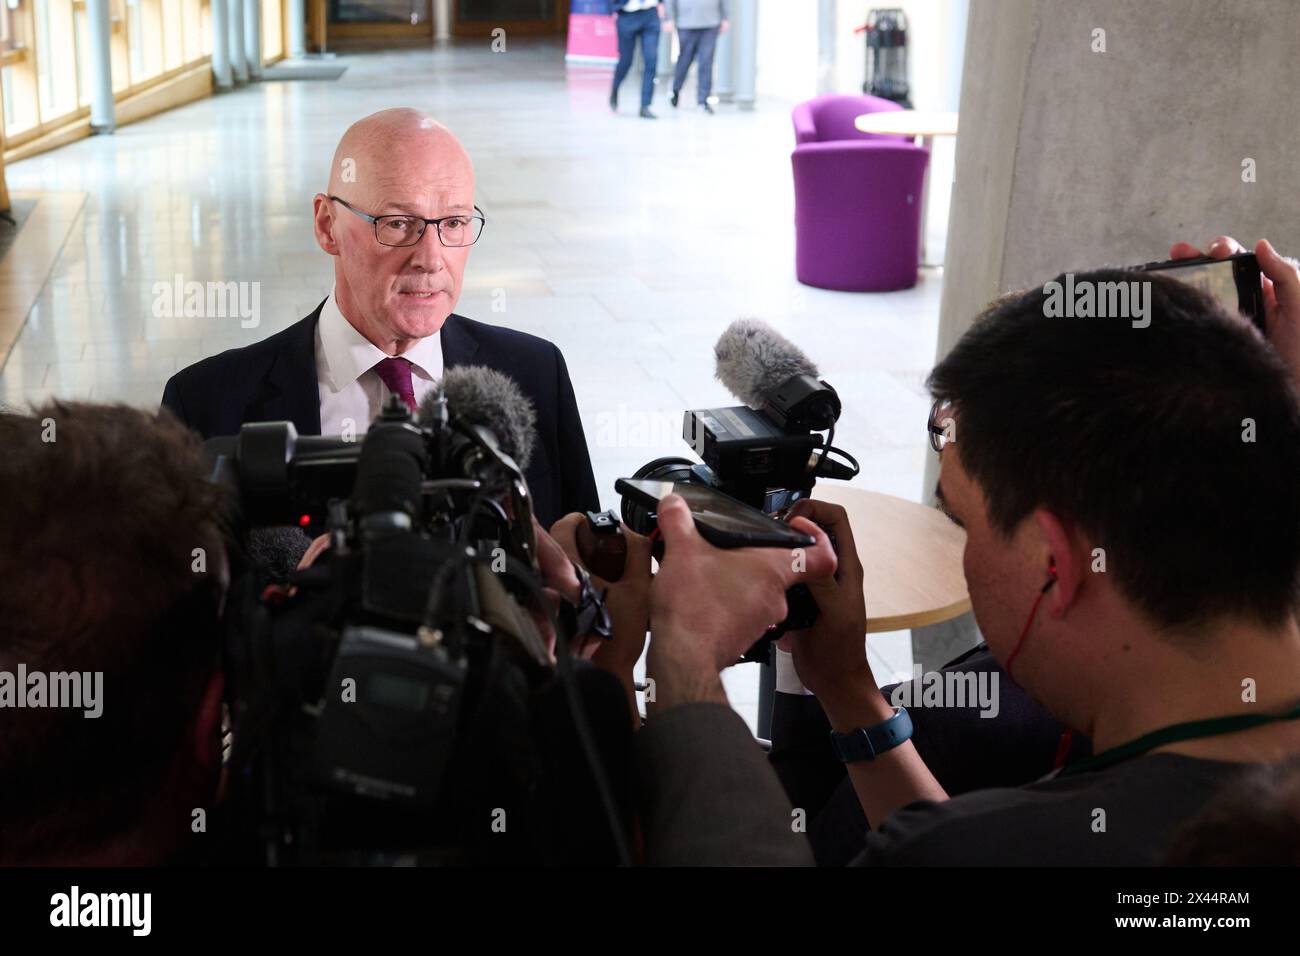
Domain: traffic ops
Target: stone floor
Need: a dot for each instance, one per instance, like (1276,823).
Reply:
(630,243)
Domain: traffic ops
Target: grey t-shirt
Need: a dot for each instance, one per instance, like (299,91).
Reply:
(1123,815)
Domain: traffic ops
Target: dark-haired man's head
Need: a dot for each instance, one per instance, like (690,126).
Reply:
(1153,460)
(111,576)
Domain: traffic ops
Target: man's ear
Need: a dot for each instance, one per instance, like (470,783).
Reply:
(324,222)
(1061,549)
(206,727)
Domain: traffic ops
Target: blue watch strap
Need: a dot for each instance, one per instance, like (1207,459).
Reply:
(870,742)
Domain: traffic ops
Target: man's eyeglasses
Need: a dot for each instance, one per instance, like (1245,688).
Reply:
(403,230)
(942,427)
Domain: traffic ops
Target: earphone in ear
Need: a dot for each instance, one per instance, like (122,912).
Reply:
(1033,612)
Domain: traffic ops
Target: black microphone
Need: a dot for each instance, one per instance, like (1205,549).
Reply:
(476,395)
(277,550)
(766,371)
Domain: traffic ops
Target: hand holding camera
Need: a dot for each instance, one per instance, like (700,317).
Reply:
(708,605)
(627,597)
(830,657)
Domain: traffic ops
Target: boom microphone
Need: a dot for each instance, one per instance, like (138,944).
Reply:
(478,395)
(766,371)
(754,360)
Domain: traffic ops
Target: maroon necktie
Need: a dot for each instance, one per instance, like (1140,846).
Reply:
(396,374)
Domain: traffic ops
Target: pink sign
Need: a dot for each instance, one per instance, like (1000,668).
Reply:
(592,38)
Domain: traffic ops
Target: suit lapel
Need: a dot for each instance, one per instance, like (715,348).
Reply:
(458,346)
(291,390)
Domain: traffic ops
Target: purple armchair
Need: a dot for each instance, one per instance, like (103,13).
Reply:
(825,118)
(857,198)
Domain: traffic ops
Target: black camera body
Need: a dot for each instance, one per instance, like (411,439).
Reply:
(389,700)
(765,458)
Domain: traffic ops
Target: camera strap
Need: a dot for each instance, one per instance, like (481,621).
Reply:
(589,615)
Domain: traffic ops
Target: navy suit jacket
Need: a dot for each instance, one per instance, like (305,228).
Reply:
(275,380)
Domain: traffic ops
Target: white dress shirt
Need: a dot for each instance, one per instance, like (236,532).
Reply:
(351,392)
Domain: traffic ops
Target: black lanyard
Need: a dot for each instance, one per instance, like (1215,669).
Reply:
(1210,727)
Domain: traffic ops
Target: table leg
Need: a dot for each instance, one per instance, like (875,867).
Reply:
(928,143)
(766,694)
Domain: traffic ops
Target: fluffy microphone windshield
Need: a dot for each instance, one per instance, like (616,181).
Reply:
(754,360)
(477,395)
(277,550)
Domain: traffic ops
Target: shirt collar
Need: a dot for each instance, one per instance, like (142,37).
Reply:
(348,354)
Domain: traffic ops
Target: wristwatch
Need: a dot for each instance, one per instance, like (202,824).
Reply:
(870,742)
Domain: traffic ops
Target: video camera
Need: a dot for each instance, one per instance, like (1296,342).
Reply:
(394,699)
(757,459)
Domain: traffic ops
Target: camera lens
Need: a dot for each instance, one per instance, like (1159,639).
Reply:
(639,518)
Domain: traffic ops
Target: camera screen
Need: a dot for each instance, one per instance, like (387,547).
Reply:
(399,693)
(714,508)
(1214,278)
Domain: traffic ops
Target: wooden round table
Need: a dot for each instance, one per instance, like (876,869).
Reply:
(911,569)
(924,123)
(927,124)
(911,558)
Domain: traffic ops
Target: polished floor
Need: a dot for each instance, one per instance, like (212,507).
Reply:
(629,243)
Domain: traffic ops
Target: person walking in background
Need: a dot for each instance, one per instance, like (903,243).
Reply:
(698,23)
(633,19)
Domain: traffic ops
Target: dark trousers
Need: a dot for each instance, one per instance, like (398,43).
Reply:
(963,750)
(702,42)
(643,24)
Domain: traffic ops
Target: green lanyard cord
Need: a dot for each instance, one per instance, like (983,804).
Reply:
(1209,727)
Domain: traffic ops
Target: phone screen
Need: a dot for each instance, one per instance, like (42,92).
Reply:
(1233,281)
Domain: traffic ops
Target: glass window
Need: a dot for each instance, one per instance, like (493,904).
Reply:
(195,14)
(118,51)
(13,36)
(82,25)
(56,59)
(144,33)
(173,45)
(272,31)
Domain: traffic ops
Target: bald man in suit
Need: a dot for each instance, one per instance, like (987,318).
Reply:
(399,219)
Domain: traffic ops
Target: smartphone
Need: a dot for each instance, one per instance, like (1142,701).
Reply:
(1234,281)
(721,520)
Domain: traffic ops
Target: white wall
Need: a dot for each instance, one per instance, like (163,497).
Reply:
(787,48)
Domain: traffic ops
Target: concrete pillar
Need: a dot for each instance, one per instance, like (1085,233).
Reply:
(442,19)
(1096,132)
(253,38)
(221,72)
(100,66)
(744,50)
(724,81)
(664,63)
(235,27)
(296,18)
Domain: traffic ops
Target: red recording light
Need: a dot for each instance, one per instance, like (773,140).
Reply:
(304,521)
